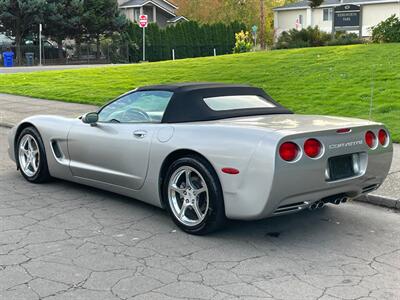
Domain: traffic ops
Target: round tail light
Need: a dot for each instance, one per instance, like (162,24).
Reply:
(370,139)
(382,137)
(312,148)
(289,151)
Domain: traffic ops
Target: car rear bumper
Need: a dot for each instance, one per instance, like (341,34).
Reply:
(295,187)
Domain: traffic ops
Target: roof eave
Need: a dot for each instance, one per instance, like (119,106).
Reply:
(283,8)
(155,4)
(171,4)
(177,19)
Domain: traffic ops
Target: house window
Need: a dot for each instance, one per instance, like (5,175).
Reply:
(148,10)
(328,14)
(300,19)
(136,14)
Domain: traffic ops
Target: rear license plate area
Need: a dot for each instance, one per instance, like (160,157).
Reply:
(341,167)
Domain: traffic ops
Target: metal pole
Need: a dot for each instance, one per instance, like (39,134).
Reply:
(333,23)
(127,52)
(173,54)
(361,22)
(40,44)
(372,92)
(144,44)
(215,52)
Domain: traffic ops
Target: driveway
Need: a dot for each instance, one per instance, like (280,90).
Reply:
(65,241)
(15,108)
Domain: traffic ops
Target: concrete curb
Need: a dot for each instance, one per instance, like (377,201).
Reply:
(379,200)
(6,125)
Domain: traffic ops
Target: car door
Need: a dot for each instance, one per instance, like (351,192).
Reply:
(116,149)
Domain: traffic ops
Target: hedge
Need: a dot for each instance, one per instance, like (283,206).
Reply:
(189,39)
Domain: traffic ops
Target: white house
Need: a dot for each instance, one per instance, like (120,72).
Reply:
(161,12)
(301,15)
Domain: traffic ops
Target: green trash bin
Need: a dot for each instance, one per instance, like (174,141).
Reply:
(30,57)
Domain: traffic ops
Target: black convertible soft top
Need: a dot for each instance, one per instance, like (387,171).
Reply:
(187,104)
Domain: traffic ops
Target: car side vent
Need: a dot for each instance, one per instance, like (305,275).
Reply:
(56,149)
(291,207)
(370,188)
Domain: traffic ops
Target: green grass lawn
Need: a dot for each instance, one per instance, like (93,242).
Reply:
(327,80)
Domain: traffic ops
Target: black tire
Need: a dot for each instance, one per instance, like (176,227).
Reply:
(42,174)
(215,216)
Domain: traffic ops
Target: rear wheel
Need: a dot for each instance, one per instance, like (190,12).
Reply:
(31,156)
(193,196)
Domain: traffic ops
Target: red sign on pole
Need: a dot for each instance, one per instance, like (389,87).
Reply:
(143,21)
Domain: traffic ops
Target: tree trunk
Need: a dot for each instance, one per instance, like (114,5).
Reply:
(78,46)
(262,24)
(98,47)
(18,44)
(60,48)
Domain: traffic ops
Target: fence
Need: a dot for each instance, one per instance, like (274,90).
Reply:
(69,54)
(108,53)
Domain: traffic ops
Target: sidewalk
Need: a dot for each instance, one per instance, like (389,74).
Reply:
(15,108)
(25,69)
(388,194)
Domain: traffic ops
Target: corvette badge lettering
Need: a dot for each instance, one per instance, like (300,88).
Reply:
(348,144)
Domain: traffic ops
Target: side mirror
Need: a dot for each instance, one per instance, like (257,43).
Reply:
(90,118)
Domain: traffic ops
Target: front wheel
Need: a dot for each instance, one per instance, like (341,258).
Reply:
(193,196)
(31,156)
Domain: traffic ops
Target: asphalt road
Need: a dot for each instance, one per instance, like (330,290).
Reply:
(65,241)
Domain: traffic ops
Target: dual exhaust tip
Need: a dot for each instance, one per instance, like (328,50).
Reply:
(316,205)
(340,200)
(321,203)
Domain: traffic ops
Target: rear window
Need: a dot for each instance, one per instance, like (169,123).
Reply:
(237,102)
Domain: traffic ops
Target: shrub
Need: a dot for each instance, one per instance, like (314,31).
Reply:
(387,31)
(343,38)
(313,37)
(306,37)
(243,42)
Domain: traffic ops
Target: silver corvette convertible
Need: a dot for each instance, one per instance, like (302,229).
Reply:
(207,152)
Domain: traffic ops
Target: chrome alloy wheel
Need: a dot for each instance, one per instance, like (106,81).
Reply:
(29,155)
(188,196)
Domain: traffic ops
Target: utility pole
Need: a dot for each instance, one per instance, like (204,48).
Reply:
(262,24)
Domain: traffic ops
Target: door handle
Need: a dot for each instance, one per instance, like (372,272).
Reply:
(139,134)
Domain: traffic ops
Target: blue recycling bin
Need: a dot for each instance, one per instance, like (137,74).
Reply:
(8,58)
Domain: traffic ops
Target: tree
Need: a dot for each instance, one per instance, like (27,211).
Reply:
(102,17)
(20,17)
(226,11)
(63,20)
(315,3)
(262,24)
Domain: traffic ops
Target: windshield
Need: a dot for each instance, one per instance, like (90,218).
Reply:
(146,106)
